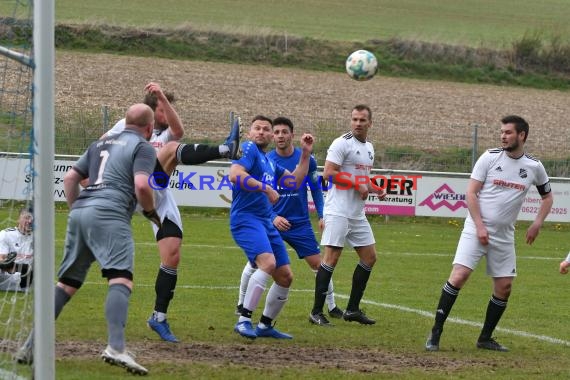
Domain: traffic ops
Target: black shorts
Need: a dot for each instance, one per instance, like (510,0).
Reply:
(168,229)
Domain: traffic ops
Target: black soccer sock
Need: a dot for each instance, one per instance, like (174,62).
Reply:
(495,311)
(61,298)
(448,296)
(265,320)
(246,312)
(359,281)
(324,275)
(164,288)
(195,154)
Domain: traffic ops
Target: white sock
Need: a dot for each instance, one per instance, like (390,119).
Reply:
(245,275)
(223,149)
(255,288)
(330,296)
(275,300)
(159,317)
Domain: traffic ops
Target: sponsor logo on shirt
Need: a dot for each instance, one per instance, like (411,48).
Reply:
(509,185)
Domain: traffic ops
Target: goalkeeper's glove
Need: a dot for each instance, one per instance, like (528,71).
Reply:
(8,262)
(152,215)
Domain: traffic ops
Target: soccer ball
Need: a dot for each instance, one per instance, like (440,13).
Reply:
(361,65)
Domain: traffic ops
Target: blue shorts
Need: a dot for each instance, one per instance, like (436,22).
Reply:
(256,236)
(302,239)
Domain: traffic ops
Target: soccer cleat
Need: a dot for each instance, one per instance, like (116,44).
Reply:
(432,343)
(123,359)
(336,313)
(239,308)
(319,319)
(358,316)
(232,142)
(491,344)
(245,329)
(162,329)
(271,332)
(25,355)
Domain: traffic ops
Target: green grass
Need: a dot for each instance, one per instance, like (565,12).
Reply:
(415,257)
(468,22)
(495,42)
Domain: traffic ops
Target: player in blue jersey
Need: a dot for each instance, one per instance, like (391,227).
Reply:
(291,214)
(255,178)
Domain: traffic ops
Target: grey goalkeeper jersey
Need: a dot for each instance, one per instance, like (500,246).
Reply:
(111,165)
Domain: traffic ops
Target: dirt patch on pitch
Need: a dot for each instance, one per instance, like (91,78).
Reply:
(277,355)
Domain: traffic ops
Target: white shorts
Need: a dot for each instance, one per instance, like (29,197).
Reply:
(340,230)
(500,253)
(166,207)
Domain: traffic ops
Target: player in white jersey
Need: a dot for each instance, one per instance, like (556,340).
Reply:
(168,130)
(16,253)
(349,161)
(499,182)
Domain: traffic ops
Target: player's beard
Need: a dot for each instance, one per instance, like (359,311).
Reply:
(514,146)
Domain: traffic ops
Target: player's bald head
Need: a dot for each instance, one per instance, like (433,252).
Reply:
(139,115)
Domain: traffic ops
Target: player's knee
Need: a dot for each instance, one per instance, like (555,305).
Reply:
(503,291)
(371,260)
(268,267)
(171,258)
(314,261)
(284,279)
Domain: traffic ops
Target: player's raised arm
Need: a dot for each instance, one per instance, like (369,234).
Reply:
(165,106)
(302,168)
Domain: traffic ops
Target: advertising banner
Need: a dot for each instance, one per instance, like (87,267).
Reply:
(408,194)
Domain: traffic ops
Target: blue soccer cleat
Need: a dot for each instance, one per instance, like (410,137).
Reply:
(245,329)
(232,142)
(271,332)
(162,329)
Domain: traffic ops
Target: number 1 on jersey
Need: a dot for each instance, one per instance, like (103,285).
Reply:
(104,156)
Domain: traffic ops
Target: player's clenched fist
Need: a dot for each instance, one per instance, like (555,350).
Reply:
(307,141)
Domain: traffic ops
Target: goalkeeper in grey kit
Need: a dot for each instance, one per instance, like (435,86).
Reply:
(99,225)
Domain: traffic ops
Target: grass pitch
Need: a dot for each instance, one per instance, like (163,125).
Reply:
(414,261)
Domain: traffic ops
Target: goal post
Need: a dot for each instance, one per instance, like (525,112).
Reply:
(27,57)
(44,234)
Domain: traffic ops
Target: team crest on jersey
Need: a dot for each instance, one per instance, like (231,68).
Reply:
(522,173)
(370,156)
